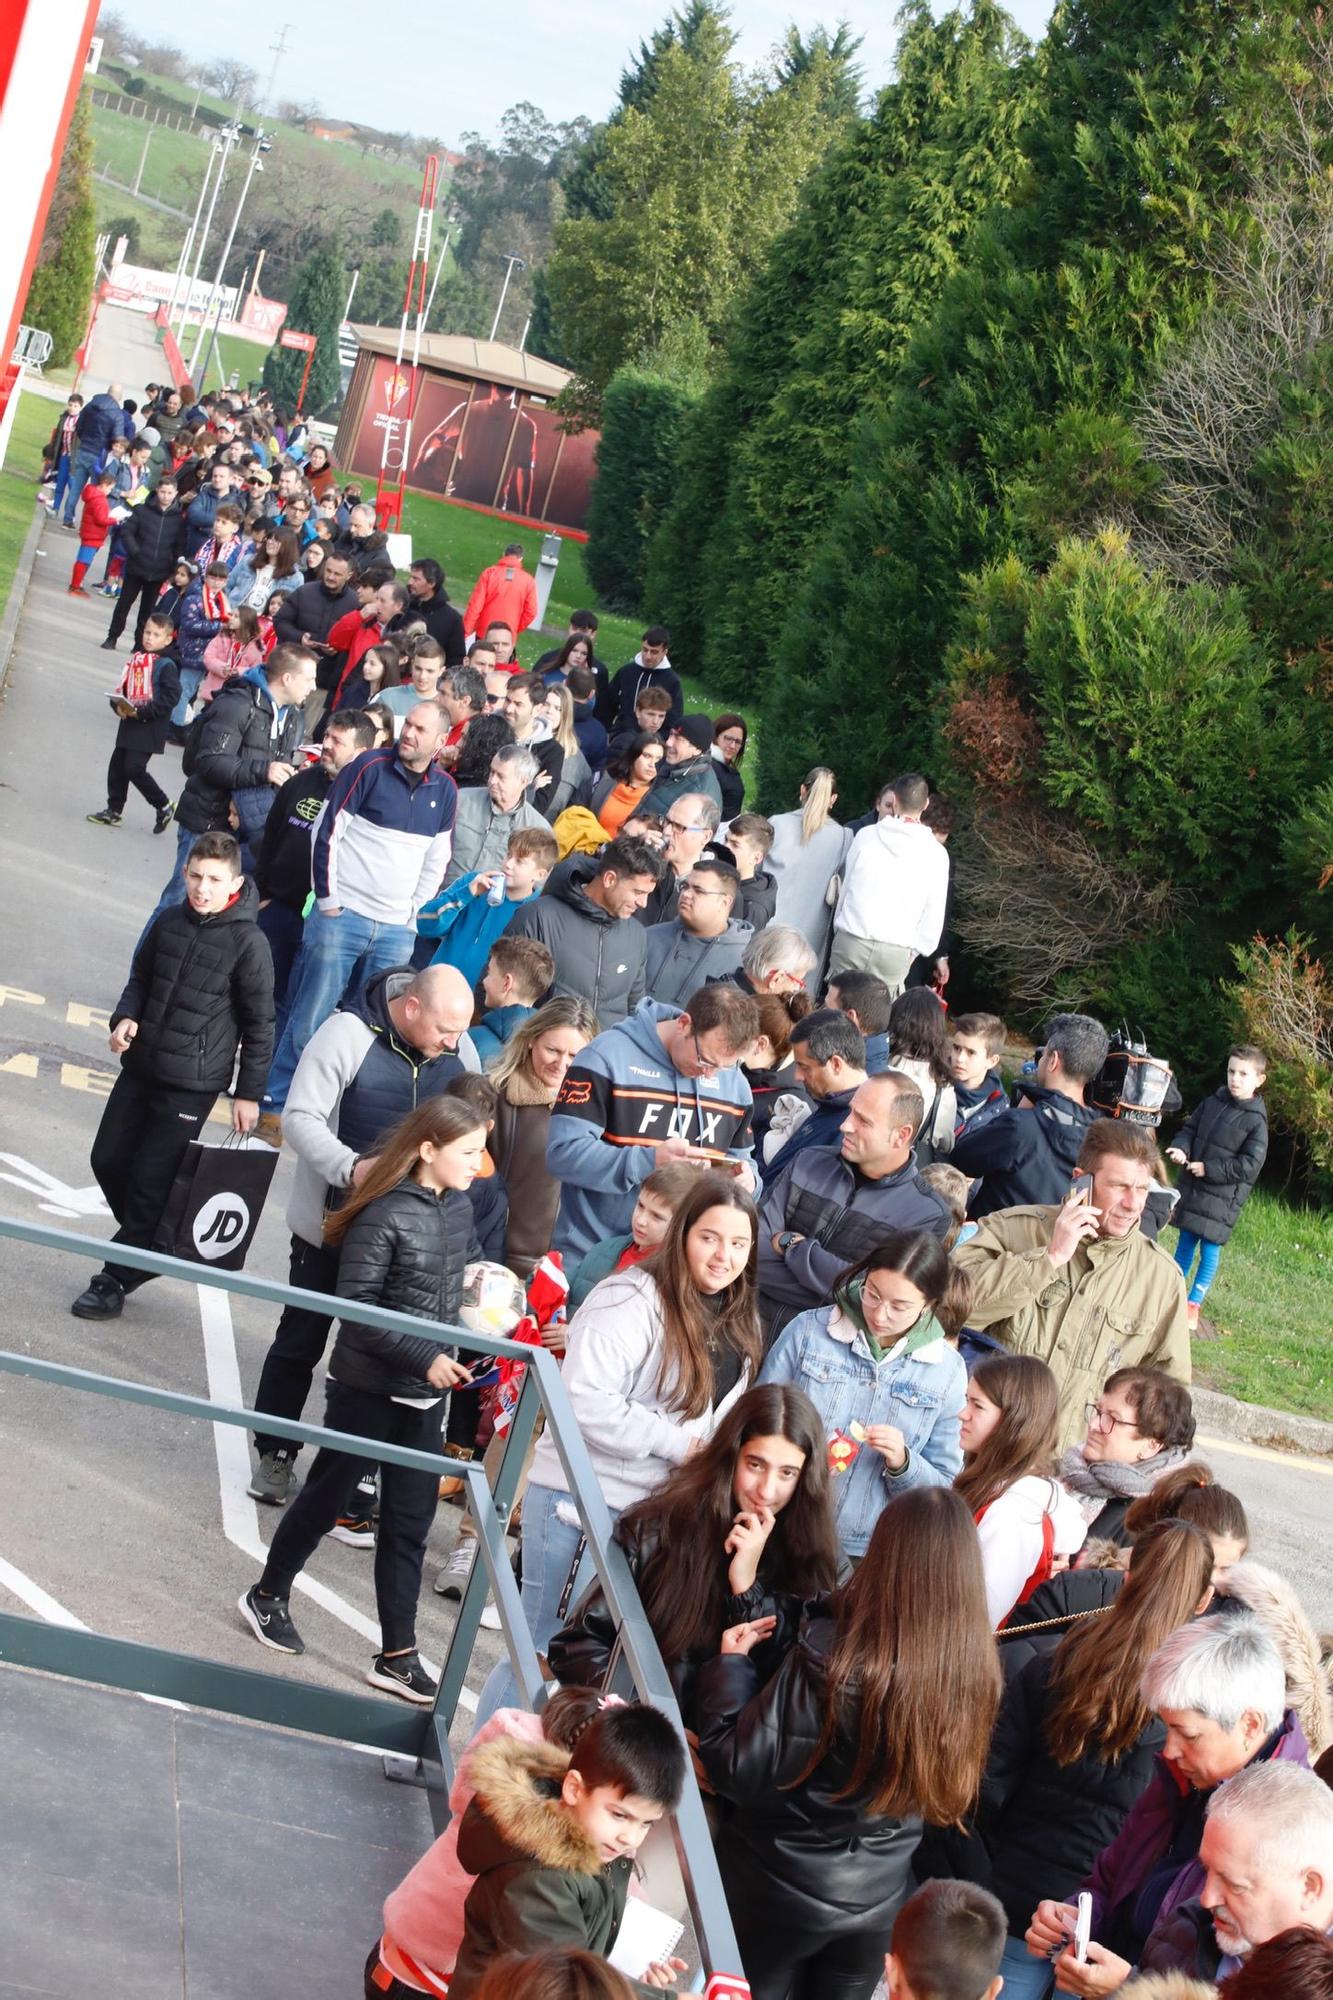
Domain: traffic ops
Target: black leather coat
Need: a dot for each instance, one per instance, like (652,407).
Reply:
(406,1252)
(827,1863)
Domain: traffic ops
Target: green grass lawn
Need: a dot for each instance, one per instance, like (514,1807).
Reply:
(1266,1319)
(232,352)
(33,425)
(465,542)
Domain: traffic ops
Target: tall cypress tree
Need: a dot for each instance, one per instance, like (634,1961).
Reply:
(60,294)
(878,230)
(316,307)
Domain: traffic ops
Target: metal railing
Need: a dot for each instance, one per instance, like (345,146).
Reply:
(383,1724)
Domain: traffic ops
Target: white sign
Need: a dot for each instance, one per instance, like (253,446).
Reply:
(144,290)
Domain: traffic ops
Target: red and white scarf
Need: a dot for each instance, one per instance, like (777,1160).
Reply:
(136,683)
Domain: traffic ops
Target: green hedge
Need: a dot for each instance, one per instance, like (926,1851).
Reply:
(643,416)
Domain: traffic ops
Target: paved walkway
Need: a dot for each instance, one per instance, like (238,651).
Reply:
(125,349)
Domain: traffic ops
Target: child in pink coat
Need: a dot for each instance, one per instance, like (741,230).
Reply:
(423,1917)
(232,651)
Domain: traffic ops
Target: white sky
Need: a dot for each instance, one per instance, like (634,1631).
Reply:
(414,68)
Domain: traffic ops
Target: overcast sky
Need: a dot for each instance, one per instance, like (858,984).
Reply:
(414,68)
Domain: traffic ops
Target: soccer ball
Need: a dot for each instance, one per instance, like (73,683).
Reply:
(493,1299)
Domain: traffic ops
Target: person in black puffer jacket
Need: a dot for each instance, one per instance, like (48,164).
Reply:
(829,1767)
(1222,1147)
(200,988)
(406,1236)
(1073,1747)
(152,540)
(240,750)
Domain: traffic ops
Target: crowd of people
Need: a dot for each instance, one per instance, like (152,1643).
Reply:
(880,1359)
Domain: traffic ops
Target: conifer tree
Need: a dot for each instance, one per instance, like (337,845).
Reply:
(317,303)
(60,295)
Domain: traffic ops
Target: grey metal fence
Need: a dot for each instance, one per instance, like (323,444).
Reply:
(384,1724)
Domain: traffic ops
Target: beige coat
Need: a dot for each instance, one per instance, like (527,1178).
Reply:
(1115,1304)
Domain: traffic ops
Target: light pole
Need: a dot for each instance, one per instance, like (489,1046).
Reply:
(513,263)
(226,139)
(190,234)
(263,144)
(450,223)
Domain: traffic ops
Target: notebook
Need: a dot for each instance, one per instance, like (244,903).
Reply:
(645,1935)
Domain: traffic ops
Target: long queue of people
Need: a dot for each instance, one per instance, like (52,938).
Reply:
(881,1367)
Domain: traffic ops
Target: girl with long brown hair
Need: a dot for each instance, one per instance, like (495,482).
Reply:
(655,1357)
(1025,1518)
(407,1236)
(880,1714)
(742,1529)
(1075,1743)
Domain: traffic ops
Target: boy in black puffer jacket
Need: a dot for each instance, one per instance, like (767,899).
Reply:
(1222,1147)
(200,988)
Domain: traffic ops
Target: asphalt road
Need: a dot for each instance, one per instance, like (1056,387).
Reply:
(132,1521)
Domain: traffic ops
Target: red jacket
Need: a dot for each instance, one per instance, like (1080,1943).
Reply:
(503,593)
(95,520)
(351,635)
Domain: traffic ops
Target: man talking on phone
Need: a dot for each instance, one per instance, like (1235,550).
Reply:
(1077,1283)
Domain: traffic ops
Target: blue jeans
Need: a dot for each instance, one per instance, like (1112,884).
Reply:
(191,680)
(338,955)
(1025,1977)
(175,889)
(62,484)
(282,926)
(1210,1255)
(83,469)
(549,1548)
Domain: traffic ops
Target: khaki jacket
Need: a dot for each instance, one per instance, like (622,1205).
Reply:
(1115,1304)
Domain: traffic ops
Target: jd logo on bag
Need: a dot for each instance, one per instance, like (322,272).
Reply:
(216,1201)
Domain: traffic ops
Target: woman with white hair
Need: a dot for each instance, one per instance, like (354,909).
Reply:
(1219,1689)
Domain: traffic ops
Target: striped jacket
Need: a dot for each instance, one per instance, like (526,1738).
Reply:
(382,843)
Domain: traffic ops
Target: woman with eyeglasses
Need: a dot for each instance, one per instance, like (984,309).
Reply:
(1140,1428)
(275,567)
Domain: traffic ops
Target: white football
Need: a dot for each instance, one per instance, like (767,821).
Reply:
(493,1299)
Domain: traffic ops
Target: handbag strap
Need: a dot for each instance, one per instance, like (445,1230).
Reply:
(1050,1624)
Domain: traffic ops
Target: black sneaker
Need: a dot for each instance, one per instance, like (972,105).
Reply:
(105,818)
(270,1621)
(357,1530)
(404,1676)
(164,818)
(104,1298)
(108,645)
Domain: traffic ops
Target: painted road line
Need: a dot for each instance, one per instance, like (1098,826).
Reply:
(1293,1461)
(37,1599)
(240,1512)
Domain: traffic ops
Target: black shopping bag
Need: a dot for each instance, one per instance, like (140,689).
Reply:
(216,1201)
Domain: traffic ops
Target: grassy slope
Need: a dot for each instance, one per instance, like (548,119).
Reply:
(32,427)
(1266,1318)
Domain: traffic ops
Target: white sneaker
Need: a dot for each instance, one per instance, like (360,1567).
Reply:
(452,1579)
(490,1618)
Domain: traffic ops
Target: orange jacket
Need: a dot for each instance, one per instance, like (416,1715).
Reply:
(504,593)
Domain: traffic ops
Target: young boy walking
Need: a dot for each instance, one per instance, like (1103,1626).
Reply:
(200,989)
(145,695)
(1222,1147)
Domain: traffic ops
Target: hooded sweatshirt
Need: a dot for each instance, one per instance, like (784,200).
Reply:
(630,683)
(692,774)
(894,884)
(620,1100)
(677,963)
(598,958)
(1025,1157)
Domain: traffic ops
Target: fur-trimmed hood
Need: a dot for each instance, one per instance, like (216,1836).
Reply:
(1279,1610)
(516,1812)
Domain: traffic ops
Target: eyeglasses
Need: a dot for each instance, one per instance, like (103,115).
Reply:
(1102,1420)
(683,826)
(705,1063)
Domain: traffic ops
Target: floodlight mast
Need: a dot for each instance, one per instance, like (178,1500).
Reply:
(395,454)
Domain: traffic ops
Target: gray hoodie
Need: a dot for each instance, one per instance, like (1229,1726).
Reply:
(598,958)
(678,963)
(620,1099)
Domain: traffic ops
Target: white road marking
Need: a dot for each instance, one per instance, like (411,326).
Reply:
(37,1599)
(1292,1461)
(51,1194)
(240,1512)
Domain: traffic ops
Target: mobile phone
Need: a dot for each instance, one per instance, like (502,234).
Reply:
(1083,1928)
(1082,1186)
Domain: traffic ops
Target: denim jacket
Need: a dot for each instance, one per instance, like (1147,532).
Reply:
(825,1353)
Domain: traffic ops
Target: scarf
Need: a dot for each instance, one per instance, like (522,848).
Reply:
(1093,1485)
(136,683)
